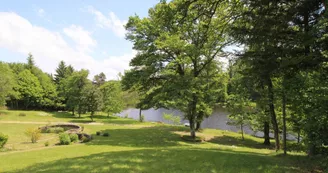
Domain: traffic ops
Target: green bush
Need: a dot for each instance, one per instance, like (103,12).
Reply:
(55,130)
(64,139)
(142,118)
(84,139)
(126,116)
(3,140)
(46,143)
(106,134)
(34,134)
(74,137)
(22,114)
(98,133)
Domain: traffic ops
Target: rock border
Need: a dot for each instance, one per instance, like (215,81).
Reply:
(73,128)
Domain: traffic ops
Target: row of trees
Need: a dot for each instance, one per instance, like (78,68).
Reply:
(278,80)
(276,83)
(25,86)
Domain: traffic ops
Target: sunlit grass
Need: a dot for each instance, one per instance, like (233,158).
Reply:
(146,148)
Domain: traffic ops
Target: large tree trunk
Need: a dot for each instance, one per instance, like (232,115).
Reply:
(140,115)
(311,151)
(91,116)
(284,122)
(193,116)
(197,126)
(273,114)
(192,128)
(266,133)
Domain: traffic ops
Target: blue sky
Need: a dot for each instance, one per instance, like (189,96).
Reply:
(86,34)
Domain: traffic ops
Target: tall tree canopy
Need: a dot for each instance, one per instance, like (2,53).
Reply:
(177,44)
(112,97)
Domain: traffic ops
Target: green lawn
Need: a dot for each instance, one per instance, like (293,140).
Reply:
(141,147)
(41,116)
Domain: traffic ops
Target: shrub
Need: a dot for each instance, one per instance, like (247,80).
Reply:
(84,139)
(22,114)
(33,134)
(126,116)
(64,139)
(142,118)
(82,128)
(55,130)
(74,137)
(98,133)
(172,118)
(46,143)
(3,140)
(106,134)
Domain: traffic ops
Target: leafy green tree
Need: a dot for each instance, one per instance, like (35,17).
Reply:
(177,45)
(112,97)
(29,88)
(75,85)
(92,99)
(99,79)
(7,82)
(240,110)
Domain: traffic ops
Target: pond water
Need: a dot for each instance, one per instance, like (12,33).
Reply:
(218,119)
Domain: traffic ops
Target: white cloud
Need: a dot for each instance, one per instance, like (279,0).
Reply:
(49,47)
(111,21)
(81,37)
(41,12)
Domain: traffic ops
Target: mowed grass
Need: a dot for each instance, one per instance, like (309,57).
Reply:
(19,141)
(41,116)
(150,148)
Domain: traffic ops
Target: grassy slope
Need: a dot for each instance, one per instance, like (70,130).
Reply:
(154,148)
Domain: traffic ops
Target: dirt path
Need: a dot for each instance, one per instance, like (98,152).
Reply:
(36,122)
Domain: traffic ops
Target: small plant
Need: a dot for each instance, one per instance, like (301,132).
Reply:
(64,139)
(33,134)
(46,143)
(126,116)
(106,134)
(142,118)
(74,137)
(3,140)
(22,114)
(82,128)
(84,139)
(55,130)
(98,133)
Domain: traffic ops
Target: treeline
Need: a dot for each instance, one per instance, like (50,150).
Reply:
(277,82)
(25,86)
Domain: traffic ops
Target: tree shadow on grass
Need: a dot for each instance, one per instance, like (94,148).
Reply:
(236,141)
(171,160)
(154,136)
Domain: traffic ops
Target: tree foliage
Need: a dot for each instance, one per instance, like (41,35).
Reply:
(7,82)
(112,97)
(177,46)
